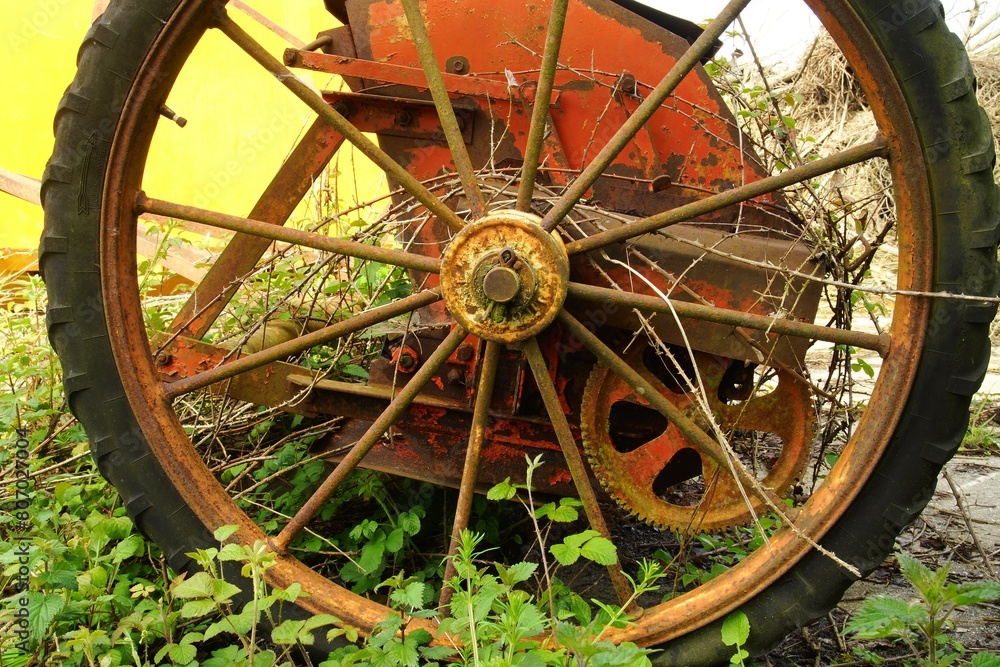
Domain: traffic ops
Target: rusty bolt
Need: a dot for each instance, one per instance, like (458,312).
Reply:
(517,266)
(342,108)
(164,358)
(464,353)
(403,117)
(456,376)
(627,84)
(406,361)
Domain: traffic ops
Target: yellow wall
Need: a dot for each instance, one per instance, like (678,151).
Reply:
(241,122)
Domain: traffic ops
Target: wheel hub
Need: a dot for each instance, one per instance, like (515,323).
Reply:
(504,278)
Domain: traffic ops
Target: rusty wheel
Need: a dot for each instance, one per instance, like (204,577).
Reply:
(570,182)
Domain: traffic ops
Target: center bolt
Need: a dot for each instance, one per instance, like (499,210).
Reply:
(501,284)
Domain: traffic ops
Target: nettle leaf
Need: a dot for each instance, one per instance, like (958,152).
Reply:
(986,660)
(735,629)
(42,608)
(502,491)
(411,596)
(972,593)
(435,653)
(884,616)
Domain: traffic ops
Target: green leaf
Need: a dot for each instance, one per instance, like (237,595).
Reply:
(290,632)
(502,491)
(394,542)
(198,585)
(435,653)
(127,548)
(197,608)
(411,596)
(565,553)
(233,552)
(884,616)
(225,532)
(735,629)
(371,555)
(600,550)
(223,591)
(986,660)
(578,539)
(972,593)
(519,572)
(409,522)
(42,608)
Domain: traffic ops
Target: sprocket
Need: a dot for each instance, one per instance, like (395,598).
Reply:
(655,473)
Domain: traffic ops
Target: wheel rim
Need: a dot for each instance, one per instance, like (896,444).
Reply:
(164,432)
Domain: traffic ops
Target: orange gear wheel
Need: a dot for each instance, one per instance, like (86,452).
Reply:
(658,475)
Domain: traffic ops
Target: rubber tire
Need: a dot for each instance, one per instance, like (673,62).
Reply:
(939,84)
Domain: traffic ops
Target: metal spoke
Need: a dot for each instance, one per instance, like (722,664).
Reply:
(574,460)
(353,458)
(302,343)
(316,102)
(446,113)
(289,235)
(871,150)
(287,188)
(736,318)
(649,106)
(701,441)
(540,111)
(470,472)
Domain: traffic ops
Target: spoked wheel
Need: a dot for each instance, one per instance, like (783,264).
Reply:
(578,192)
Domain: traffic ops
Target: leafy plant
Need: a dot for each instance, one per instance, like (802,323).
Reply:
(735,632)
(922,625)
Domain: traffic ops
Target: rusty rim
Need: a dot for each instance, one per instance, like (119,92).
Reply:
(151,399)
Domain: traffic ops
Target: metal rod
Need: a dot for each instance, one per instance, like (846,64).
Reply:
(540,111)
(574,461)
(300,237)
(389,416)
(470,472)
(702,441)
(872,149)
(649,106)
(316,102)
(284,350)
(736,318)
(293,179)
(446,113)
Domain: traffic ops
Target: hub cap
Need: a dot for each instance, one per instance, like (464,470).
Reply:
(504,278)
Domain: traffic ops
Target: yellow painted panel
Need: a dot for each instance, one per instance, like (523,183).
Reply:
(242,123)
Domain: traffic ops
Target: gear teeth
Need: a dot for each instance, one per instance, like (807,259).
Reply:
(596,441)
